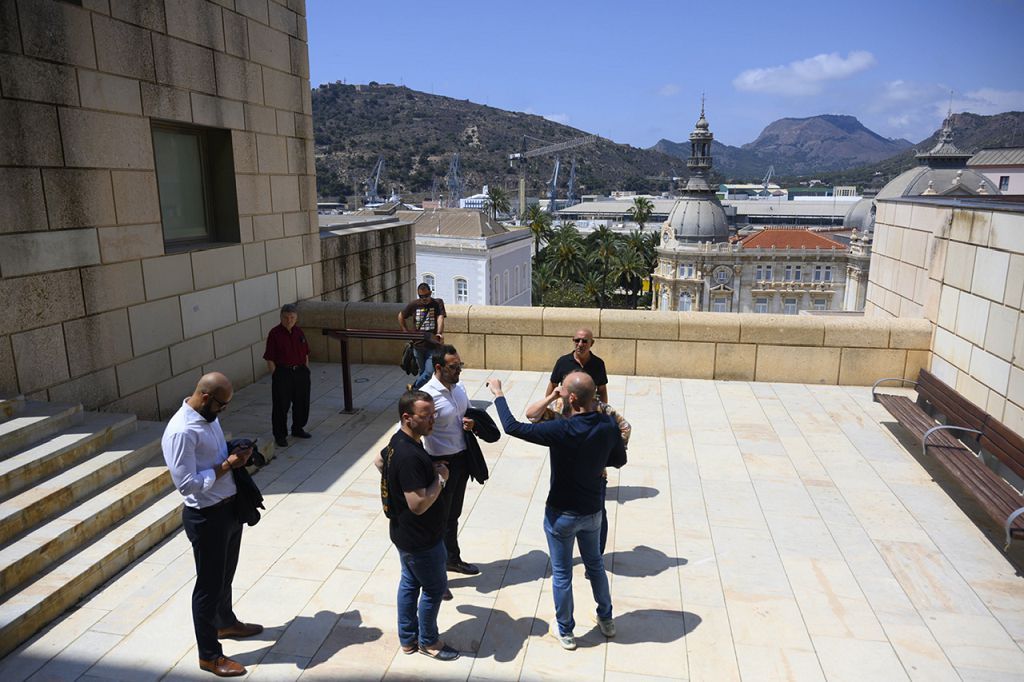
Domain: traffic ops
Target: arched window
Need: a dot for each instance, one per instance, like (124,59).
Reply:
(429,280)
(461,290)
(494,291)
(685,302)
(516,284)
(506,294)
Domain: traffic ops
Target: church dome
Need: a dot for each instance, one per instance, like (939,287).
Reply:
(861,216)
(698,219)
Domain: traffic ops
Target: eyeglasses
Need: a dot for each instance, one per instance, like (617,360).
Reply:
(581,340)
(456,366)
(223,405)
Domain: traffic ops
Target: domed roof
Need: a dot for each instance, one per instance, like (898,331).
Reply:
(698,219)
(925,181)
(861,215)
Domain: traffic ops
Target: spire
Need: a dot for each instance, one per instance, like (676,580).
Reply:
(699,163)
(945,154)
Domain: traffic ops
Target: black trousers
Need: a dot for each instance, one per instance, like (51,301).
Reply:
(452,497)
(216,535)
(289,388)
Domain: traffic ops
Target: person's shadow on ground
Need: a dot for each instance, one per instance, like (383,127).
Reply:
(343,630)
(629,493)
(640,562)
(495,575)
(645,625)
(503,636)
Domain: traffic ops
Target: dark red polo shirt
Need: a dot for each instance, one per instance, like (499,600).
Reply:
(284,348)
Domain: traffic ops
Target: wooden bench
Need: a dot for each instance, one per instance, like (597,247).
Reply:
(953,430)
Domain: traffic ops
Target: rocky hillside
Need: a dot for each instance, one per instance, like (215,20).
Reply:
(418,133)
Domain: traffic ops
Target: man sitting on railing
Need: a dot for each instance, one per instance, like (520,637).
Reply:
(428,315)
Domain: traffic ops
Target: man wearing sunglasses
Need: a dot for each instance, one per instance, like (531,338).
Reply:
(447,443)
(200,465)
(581,358)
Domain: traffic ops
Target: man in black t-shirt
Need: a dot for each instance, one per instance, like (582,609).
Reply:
(427,315)
(417,527)
(581,358)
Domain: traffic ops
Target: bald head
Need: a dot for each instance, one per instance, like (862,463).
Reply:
(212,395)
(214,383)
(581,389)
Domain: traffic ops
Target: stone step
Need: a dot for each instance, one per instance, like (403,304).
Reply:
(61,450)
(54,496)
(30,608)
(35,421)
(41,548)
(10,405)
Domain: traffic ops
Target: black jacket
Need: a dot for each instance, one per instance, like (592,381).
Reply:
(248,498)
(486,429)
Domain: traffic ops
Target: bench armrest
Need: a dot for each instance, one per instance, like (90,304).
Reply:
(944,427)
(1009,522)
(882,381)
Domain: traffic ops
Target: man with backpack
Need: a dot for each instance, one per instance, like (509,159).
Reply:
(427,315)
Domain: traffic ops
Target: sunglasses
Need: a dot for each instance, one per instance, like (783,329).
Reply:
(581,340)
(455,366)
(223,405)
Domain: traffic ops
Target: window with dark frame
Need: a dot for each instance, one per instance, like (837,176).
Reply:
(1004,183)
(195,174)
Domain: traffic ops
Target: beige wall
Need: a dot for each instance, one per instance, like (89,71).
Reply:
(743,347)
(963,270)
(375,263)
(94,310)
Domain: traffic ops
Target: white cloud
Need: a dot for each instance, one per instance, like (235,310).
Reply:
(668,90)
(986,101)
(557,118)
(804,77)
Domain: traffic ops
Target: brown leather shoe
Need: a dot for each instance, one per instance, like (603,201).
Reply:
(239,630)
(223,666)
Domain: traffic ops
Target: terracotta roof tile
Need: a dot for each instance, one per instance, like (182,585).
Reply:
(788,238)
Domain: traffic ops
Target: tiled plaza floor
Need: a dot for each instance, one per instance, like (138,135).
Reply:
(759,531)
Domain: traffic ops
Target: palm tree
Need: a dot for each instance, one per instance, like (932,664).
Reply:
(594,287)
(604,246)
(641,211)
(565,252)
(539,223)
(628,270)
(497,201)
(543,279)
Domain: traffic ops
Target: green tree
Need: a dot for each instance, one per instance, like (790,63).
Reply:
(565,253)
(629,270)
(603,245)
(539,223)
(497,201)
(641,211)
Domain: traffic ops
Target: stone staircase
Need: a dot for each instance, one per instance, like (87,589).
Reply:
(82,495)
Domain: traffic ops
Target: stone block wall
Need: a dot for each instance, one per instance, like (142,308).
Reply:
(727,346)
(375,263)
(962,269)
(95,308)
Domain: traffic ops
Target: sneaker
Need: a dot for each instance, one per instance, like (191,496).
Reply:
(568,641)
(607,626)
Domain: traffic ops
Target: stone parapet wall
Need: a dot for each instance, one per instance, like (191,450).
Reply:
(741,347)
(376,263)
(961,268)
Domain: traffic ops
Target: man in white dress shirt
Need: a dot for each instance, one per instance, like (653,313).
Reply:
(200,465)
(447,443)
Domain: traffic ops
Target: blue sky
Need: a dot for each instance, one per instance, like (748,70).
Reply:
(634,71)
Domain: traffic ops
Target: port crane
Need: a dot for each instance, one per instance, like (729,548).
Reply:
(373,182)
(764,183)
(522,155)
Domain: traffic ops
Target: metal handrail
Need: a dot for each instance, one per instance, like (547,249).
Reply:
(881,381)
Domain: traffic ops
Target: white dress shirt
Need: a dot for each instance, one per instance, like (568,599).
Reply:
(193,448)
(450,407)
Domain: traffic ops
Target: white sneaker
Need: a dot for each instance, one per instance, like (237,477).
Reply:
(607,626)
(568,641)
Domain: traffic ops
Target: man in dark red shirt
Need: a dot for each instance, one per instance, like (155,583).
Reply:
(287,357)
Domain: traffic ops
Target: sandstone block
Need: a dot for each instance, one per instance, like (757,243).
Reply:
(281,90)
(539,353)
(735,361)
(236,35)
(502,351)
(167,276)
(297,150)
(217,112)
(243,146)
(95,139)
(317,346)
(491,319)
(916,361)
(183,64)
(283,19)
(237,336)
(8,376)
(204,311)
(124,49)
(135,197)
(360,315)
(304,282)
(109,92)
(270,48)
(155,325)
(92,390)
(1015,282)
(191,354)
(470,347)
(910,334)
(990,370)
(286,124)
(991,268)
(22,208)
(304,127)
(284,193)
(253,192)
(245,229)
(286,292)
(146,13)
(376,352)
(716,327)
(856,332)
(40,358)
(457,318)
(196,21)
(318,314)
(130,242)
(58,32)
(39,81)
(300,57)
(27,253)
(284,253)
(639,324)
(143,371)
(213,267)
(865,366)
(256,296)
(266,227)
(78,198)
(31,135)
(10,35)
(142,403)
(106,287)
(619,355)
(801,366)
(173,391)
(273,155)
(160,101)
(971,388)
(296,224)
(255,259)
(1001,331)
(1007,232)
(260,119)
(254,9)
(960,265)
(790,330)
(683,359)
(97,341)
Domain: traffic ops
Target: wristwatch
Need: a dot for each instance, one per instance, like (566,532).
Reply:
(440,481)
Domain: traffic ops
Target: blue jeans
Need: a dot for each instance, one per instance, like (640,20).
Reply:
(421,570)
(426,366)
(563,529)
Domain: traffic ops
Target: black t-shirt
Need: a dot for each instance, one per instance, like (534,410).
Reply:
(411,469)
(424,318)
(567,363)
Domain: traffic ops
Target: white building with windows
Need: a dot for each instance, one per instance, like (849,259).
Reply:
(467,258)
(1003,166)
